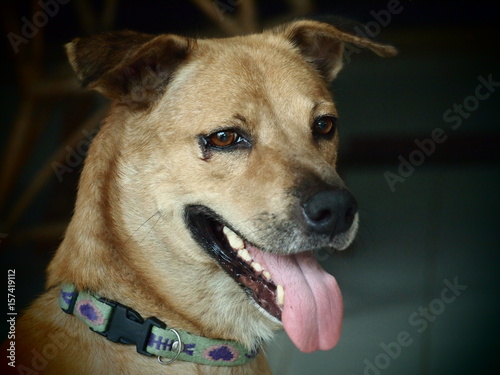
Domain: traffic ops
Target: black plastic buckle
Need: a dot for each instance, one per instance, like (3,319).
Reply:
(126,326)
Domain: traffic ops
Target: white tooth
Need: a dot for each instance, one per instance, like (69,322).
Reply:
(257,267)
(280,295)
(245,255)
(267,275)
(234,240)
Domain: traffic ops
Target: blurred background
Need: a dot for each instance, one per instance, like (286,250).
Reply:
(419,148)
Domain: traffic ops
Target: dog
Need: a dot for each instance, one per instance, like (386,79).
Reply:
(202,198)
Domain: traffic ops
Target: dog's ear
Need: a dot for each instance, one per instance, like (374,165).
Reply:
(322,44)
(126,66)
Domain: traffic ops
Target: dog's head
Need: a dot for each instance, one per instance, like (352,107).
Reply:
(224,156)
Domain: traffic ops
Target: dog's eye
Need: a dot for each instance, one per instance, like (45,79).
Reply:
(222,139)
(324,126)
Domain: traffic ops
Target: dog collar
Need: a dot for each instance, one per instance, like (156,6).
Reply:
(121,324)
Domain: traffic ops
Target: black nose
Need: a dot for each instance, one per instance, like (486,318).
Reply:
(330,212)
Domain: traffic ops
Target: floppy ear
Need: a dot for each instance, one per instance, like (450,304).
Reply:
(322,44)
(126,66)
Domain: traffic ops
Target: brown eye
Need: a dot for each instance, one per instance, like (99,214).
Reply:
(324,125)
(222,139)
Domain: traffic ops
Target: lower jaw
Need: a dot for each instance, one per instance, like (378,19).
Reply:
(207,229)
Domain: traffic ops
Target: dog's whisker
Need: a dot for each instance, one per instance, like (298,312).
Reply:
(144,223)
(152,227)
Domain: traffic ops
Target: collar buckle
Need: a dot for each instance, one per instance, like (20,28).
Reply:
(127,326)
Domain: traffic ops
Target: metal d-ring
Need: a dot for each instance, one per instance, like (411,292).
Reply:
(180,348)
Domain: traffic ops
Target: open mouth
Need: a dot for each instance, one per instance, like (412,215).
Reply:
(290,289)
(234,255)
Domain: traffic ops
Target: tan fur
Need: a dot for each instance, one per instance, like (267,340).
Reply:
(128,239)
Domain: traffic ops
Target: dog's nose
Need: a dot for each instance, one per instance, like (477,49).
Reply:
(330,212)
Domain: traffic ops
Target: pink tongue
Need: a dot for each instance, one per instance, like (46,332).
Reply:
(312,315)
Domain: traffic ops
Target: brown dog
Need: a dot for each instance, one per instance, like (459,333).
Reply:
(202,198)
